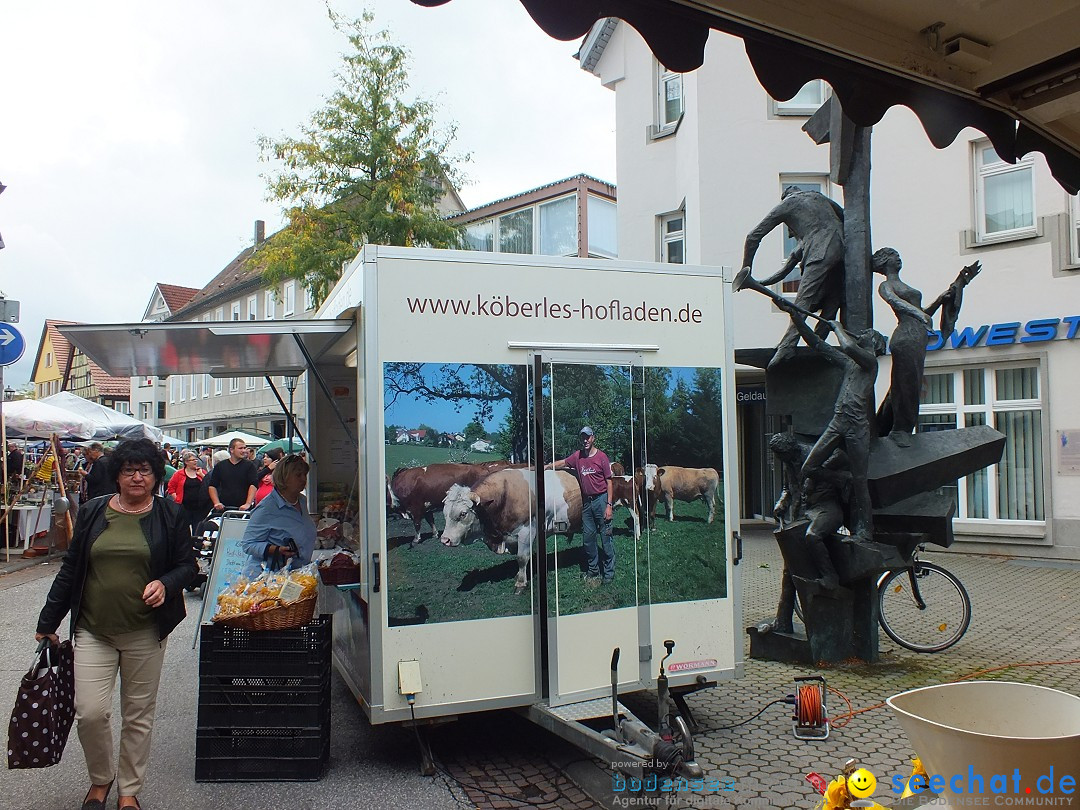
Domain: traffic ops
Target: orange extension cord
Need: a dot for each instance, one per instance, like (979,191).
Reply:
(810,710)
(843,719)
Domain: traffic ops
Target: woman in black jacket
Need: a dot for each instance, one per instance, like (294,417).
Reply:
(122,581)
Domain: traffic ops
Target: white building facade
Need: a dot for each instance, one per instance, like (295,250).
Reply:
(703,156)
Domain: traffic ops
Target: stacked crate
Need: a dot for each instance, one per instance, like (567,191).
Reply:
(264,703)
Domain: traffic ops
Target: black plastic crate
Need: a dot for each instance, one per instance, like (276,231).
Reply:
(242,706)
(261,754)
(231,653)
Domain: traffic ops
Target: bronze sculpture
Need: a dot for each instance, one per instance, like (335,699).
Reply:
(818,223)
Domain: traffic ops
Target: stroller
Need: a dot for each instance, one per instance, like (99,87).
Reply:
(204,541)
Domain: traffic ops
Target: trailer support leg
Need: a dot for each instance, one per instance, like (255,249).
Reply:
(427,762)
(684,709)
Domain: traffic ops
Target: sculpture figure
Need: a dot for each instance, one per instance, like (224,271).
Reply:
(819,499)
(899,414)
(818,223)
(850,424)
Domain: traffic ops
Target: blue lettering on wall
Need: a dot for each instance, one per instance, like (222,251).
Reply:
(966,338)
(1002,334)
(1039,330)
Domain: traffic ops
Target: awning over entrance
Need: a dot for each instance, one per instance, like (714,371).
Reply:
(1010,72)
(217,348)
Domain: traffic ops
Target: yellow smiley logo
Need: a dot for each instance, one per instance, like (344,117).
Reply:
(861,784)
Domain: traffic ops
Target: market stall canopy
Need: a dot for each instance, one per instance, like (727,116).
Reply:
(225,439)
(109,424)
(175,441)
(34,419)
(217,348)
(1010,70)
(283,444)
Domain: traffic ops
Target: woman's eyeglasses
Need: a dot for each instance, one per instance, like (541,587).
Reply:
(131,472)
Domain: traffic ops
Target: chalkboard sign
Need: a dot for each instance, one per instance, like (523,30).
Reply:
(229,560)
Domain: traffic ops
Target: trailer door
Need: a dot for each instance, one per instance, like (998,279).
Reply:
(588,616)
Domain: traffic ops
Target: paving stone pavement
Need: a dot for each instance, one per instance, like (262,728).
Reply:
(1023,612)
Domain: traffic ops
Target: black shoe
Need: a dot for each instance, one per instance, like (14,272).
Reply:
(97,804)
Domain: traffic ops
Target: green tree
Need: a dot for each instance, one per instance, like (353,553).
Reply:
(369,168)
(473,431)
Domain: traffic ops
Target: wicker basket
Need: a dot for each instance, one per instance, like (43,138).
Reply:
(339,574)
(273,615)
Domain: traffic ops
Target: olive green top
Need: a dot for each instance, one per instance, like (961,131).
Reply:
(118,572)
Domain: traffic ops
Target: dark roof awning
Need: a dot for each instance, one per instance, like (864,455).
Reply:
(218,348)
(1013,74)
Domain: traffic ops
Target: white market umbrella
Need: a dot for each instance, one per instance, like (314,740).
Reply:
(109,423)
(34,419)
(175,441)
(224,439)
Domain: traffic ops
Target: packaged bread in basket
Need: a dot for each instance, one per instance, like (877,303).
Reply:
(274,600)
(342,569)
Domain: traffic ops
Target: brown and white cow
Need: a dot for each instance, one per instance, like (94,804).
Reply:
(416,492)
(670,484)
(502,504)
(625,491)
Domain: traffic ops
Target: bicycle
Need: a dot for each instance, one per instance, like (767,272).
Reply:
(925,608)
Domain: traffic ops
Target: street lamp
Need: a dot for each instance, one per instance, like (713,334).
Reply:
(9,394)
(290,384)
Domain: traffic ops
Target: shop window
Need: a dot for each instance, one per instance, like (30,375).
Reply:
(1010,399)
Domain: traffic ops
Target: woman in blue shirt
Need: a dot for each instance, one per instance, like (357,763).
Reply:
(281,517)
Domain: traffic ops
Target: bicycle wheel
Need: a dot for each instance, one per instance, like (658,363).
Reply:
(938,622)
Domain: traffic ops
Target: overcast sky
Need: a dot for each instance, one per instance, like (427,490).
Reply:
(128,130)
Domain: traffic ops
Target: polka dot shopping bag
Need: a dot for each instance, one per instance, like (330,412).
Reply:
(44,709)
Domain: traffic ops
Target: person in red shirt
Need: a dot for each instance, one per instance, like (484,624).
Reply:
(593,470)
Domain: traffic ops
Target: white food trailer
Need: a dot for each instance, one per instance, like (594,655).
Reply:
(534,348)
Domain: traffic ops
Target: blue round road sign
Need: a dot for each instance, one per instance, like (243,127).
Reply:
(12,344)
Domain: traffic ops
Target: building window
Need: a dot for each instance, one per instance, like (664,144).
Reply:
(217,386)
(161,410)
(195,382)
(516,232)
(1004,196)
(219,314)
(144,411)
(1009,399)
(673,238)
(205,385)
(251,383)
(669,99)
(234,311)
(123,407)
(603,227)
(1074,228)
(290,298)
(802,183)
(480,236)
(252,308)
(234,385)
(558,227)
(309,299)
(806,102)
(270,304)
(48,359)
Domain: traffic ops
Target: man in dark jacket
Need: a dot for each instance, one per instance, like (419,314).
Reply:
(96,478)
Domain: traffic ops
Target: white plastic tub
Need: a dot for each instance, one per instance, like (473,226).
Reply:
(993,728)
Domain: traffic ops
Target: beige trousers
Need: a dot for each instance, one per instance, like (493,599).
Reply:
(137,657)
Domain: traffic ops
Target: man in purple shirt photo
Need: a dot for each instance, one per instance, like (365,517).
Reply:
(593,470)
